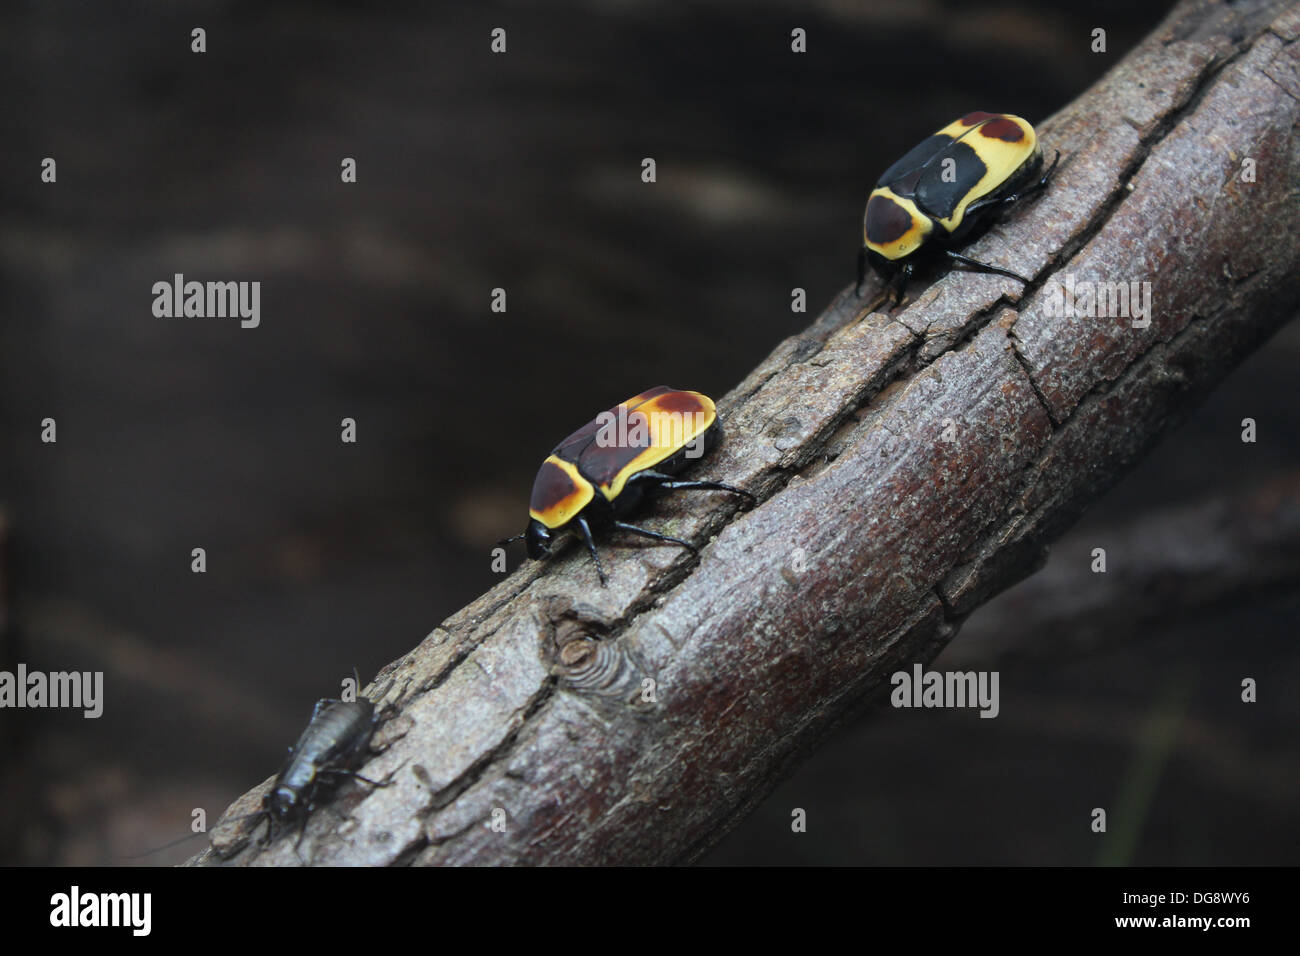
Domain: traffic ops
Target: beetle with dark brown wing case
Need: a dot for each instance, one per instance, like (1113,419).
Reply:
(603,471)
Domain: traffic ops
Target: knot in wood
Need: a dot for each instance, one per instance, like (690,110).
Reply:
(590,665)
(575,654)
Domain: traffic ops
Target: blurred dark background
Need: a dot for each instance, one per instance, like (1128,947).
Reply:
(522,171)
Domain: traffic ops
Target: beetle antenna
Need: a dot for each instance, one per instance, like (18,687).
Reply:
(513,537)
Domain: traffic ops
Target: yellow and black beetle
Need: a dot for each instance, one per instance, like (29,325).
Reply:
(943,188)
(600,473)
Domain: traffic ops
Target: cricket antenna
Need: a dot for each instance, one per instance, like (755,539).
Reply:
(191,836)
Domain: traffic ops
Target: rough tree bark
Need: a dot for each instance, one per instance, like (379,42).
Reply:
(909,466)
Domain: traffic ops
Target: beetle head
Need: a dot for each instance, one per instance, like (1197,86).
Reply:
(538,538)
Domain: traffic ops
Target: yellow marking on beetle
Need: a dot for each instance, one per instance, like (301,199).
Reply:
(1001,160)
(561,511)
(909,241)
(672,421)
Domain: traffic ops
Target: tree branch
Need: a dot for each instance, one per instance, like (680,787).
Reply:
(909,466)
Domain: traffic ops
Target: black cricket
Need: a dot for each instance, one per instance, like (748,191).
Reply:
(327,753)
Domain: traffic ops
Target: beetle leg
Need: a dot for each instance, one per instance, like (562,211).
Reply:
(898,284)
(1029,190)
(591,547)
(862,270)
(647,533)
(984,266)
(979,205)
(669,483)
(1046,176)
